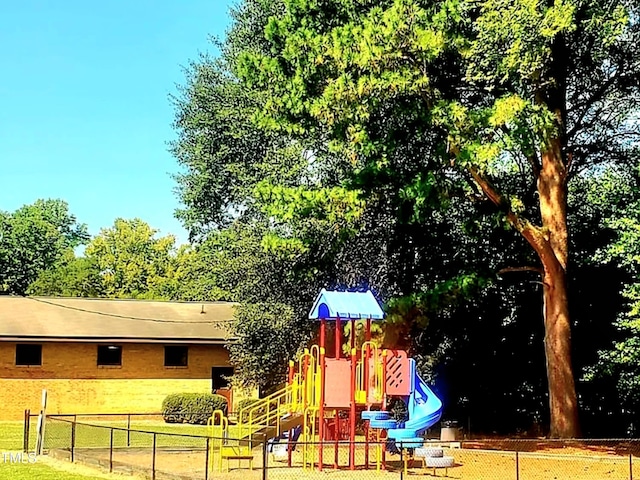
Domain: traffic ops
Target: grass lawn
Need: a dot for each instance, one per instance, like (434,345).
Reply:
(58,434)
(44,468)
(38,472)
(11,436)
(48,469)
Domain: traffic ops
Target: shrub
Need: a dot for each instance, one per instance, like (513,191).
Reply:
(200,407)
(195,408)
(171,408)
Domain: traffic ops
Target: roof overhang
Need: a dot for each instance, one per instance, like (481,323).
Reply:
(331,305)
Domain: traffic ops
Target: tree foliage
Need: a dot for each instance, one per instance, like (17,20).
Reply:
(32,239)
(130,259)
(615,369)
(70,276)
(126,260)
(268,334)
(396,145)
(475,99)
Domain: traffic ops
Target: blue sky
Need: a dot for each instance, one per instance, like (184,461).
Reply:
(84,108)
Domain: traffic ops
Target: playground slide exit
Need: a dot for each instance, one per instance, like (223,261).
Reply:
(423,406)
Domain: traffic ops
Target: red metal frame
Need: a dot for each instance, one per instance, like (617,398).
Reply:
(322,385)
(352,412)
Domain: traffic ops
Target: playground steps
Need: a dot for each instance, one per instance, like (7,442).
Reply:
(238,453)
(270,431)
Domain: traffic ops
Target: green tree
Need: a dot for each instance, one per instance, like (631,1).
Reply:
(71,276)
(269,334)
(234,265)
(223,154)
(132,262)
(34,238)
(395,243)
(617,363)
(528,91)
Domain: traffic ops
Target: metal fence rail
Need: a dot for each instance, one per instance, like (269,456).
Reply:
(116,443)
(118,449)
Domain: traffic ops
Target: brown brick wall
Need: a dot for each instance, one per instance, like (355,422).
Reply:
(76,384)
(79,360)
(91,396)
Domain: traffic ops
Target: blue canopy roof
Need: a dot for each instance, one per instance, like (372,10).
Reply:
(331,305)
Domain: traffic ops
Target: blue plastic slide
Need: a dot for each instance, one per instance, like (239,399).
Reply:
(424,408)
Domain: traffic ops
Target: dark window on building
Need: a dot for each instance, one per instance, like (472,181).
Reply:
(109,355)
(218,377)
(28,354)
(175,356)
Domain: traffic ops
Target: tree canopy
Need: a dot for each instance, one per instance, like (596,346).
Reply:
(504,101)
(34,238)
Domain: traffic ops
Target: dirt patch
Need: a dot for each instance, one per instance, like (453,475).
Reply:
(563,447)
(479,464)
(65,466)
(537,461)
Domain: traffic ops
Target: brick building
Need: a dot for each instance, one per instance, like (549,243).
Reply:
(108,356)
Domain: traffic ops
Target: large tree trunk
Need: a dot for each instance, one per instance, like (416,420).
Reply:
(551,244)
(552,187)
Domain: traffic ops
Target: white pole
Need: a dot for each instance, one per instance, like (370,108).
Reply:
(41,424)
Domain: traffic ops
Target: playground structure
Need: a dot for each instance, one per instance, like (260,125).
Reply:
(324,397)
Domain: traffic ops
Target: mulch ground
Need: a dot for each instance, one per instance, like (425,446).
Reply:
(476,460)
(561,447)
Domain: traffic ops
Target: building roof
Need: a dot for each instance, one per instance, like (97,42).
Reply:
(332,305)
(106,320)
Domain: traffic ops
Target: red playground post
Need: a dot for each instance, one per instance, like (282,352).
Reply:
(338,346)
(365,362)
(322,396)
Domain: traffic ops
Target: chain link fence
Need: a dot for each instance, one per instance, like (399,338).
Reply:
(121,444)
(541,459)
(152,454)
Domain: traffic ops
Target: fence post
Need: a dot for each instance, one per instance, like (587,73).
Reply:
(128,429)
(111,451)
(73,441)
(206,461)
(153,461)
(517,466)
(27,423)
(265,457)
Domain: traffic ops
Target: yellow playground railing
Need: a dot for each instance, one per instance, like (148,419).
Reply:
(218,426)
(300,397)
(267,412)
(308,435)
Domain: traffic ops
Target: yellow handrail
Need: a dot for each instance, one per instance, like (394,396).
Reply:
(262,412)
(298,397)
(309,435)
(316,357)
(267,411)
(217,440)
(370,345)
